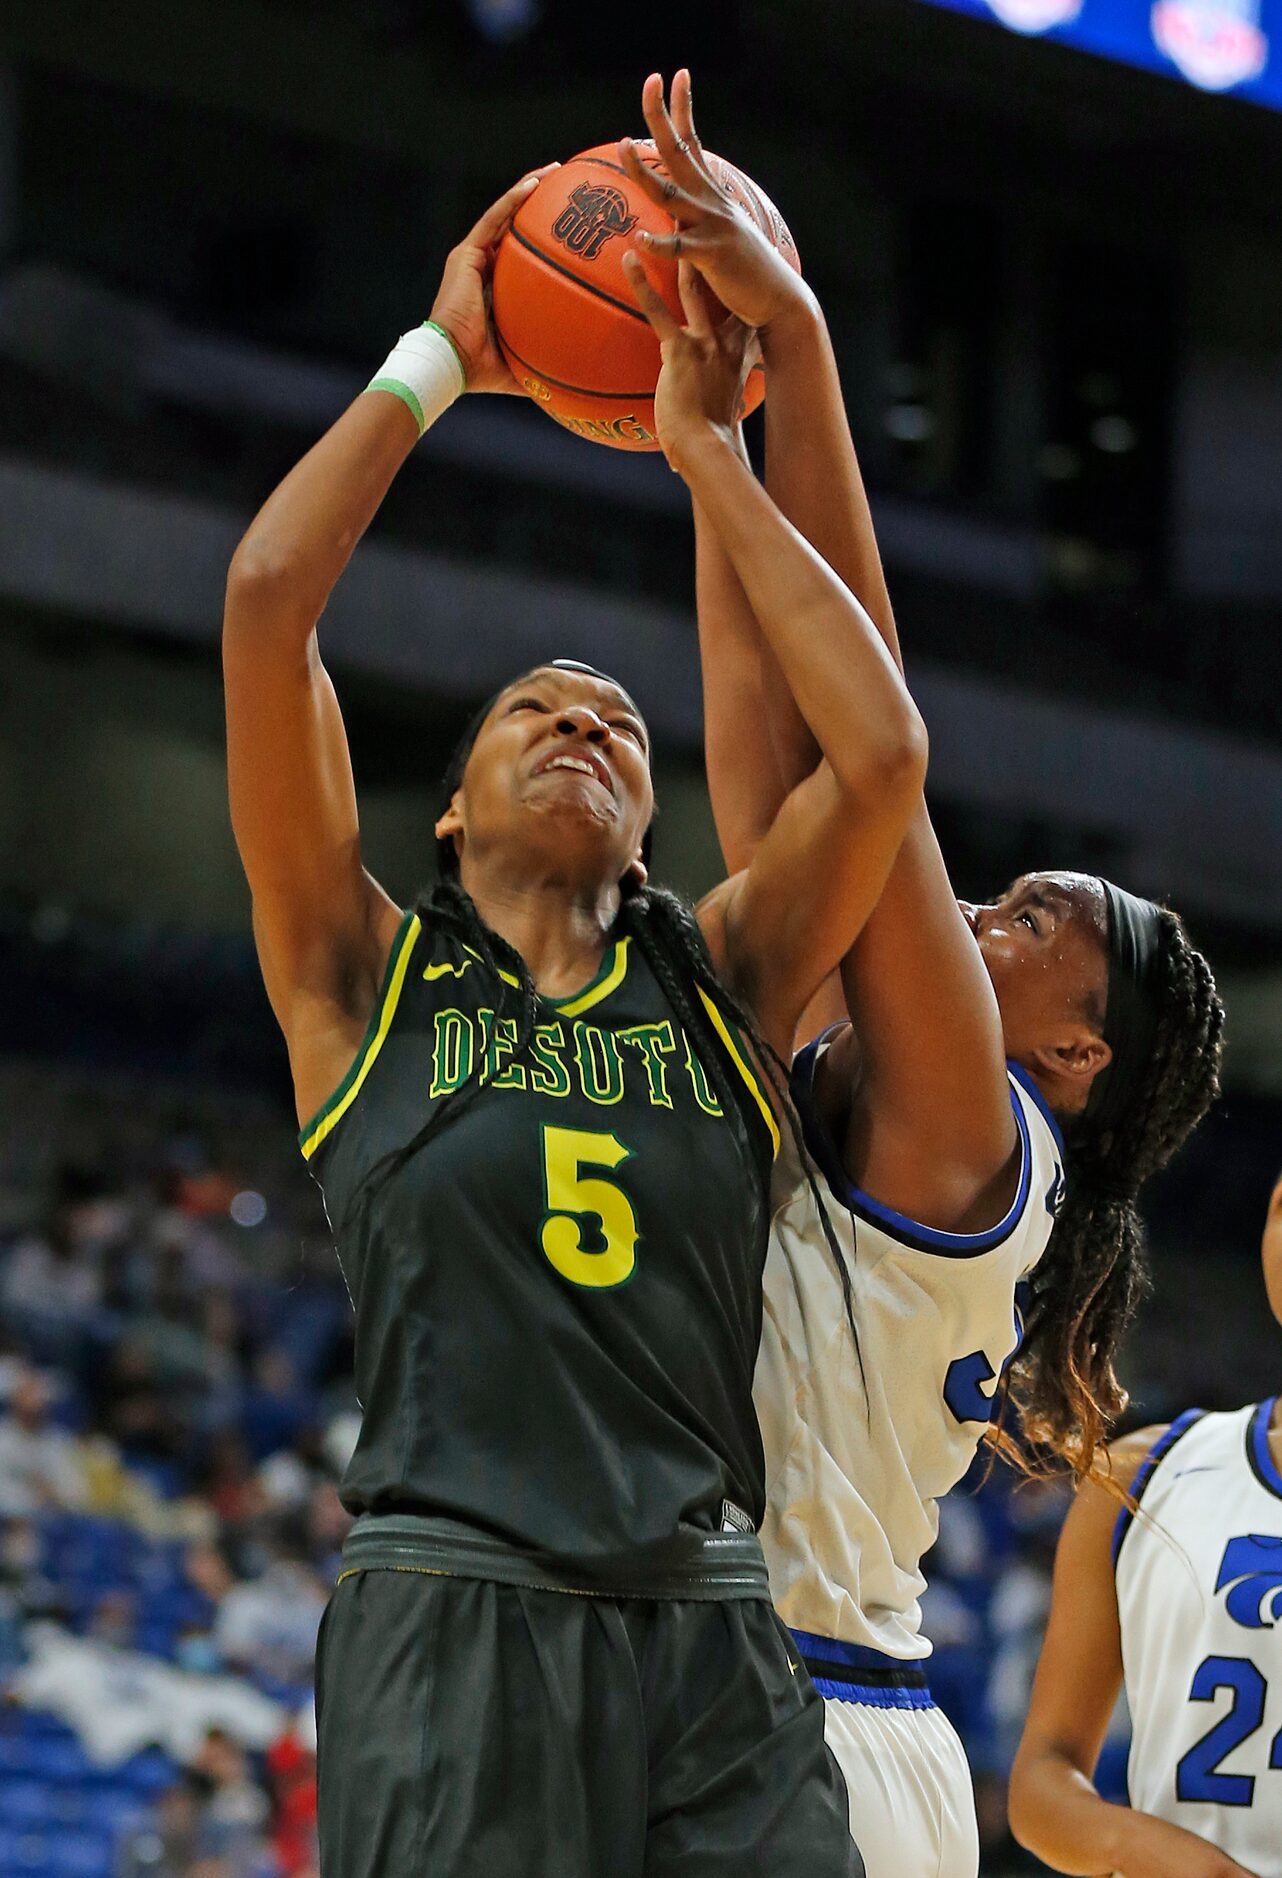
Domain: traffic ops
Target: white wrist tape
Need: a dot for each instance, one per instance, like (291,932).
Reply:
(424,369)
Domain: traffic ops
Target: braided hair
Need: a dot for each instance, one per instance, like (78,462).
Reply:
(1083,1294)
(666,932)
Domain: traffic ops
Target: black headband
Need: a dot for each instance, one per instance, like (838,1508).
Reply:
(1131,1013)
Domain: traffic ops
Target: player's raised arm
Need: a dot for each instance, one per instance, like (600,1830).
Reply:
(1055,1810)
(779,928)
(745,781)
(322,925)
(930,1060)
(748,778)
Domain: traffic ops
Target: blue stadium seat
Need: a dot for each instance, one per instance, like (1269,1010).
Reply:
(24,1854)
(148,1772)
(39,1724)
(57,1760)
(79,1855)
(115,1810)
(156,1639)
(27,1803)
(71,1805)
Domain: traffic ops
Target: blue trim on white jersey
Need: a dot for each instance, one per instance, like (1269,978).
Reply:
(1020,1075)
(893,1681)
(873,1698)
(1258,1451)
(909,1232)
(853,1655)
(1145,1471)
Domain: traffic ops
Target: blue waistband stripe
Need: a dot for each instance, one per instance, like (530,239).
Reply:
(852,1655)
(873,1698)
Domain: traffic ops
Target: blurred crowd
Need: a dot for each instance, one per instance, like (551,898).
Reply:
(175,1413)
(176,1410)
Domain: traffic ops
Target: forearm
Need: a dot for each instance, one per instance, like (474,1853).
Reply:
(811,468)
(1056,1813)
(812,474)
(844,682)
(303,536)
(745,784)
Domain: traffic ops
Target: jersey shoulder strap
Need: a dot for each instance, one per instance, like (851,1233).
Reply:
(330,1113)
(1041,1150)
(1145,1471)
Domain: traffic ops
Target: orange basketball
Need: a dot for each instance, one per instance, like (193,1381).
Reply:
(566,320)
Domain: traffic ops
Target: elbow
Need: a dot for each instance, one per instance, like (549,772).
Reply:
(261,565)
(266,584)
(914,747)
(890,773)
(1037,1780)
(1020,1816)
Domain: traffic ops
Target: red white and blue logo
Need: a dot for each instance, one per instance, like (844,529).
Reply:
(1216,43)
(1226,46)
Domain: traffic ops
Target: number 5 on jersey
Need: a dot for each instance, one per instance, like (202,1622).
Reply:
(585,1207)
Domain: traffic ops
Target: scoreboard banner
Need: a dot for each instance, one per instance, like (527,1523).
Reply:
(1218,45)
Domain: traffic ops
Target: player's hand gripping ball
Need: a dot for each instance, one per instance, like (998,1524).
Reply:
(565,316)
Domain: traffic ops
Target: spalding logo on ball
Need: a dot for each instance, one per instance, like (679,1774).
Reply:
(564,314)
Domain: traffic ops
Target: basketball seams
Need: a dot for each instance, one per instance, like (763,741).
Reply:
(580,391)
(534,292)
(757,205)
(605,164)
(568,273)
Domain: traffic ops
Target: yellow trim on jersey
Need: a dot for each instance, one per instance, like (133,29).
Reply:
(333,1111)
(447,970)
(507,977)
(741,1065)
(616,970)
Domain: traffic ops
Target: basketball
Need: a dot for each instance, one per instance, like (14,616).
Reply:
(565,317)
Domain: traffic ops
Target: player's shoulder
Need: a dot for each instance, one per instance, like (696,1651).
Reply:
(1108,1489)
(1133,1462)
(1110,1485)
(1124,1457)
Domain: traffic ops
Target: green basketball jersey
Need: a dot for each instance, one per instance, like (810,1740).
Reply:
(558,1298)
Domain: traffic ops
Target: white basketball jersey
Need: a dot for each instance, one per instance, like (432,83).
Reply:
(855,1463)
(1199,1594)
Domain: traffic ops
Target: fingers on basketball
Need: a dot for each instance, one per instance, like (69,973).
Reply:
(662,190)
(647,299)
(678,158)
(683,118)
(694,300)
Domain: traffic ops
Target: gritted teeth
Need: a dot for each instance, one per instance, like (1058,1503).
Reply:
(582,765)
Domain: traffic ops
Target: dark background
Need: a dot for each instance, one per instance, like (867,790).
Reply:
(1055,288)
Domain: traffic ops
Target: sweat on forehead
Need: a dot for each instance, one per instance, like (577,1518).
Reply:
(1079,892)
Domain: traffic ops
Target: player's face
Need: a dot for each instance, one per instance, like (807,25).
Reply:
(1045,945)
(1271,1250)
(561,768)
